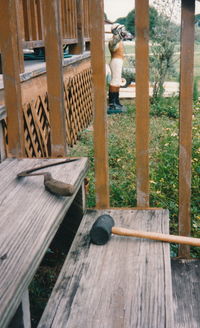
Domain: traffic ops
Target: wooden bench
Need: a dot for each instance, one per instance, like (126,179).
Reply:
(123,284)
(30,218)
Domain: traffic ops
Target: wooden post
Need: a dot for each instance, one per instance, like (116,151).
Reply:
(100,126)
(11,70)
(53,50)
(79,47)
(142,101)
(186,104)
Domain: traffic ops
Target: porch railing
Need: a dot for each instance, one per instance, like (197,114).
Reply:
(55,90)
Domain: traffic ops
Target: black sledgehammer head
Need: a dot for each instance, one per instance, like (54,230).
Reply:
(102,229)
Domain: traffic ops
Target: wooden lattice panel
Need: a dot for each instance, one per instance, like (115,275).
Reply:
(37,128)
(78,104)
(78,109)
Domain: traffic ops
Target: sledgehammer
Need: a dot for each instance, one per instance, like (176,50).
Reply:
(104,226)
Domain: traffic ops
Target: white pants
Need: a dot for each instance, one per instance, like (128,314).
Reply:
(116,71)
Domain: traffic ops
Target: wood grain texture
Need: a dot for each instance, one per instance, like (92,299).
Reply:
(78,48)
(100,121)
(185,129)
(123,284)
(53,51)
(12,91)
(142,101)
(186,293)
(30,217)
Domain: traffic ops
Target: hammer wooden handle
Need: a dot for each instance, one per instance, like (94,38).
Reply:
(156,236)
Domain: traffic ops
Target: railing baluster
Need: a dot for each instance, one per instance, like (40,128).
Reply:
(40,19)
(142,101)
(27,20)
(186,104)
(78,48)
(53,46)
(34,20)
(100,128)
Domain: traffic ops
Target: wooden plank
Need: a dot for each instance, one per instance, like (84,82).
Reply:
(11,68)
(185,129)
(125,283)
(100,119)
(27,19)
(22,317)
(142,101)
(30,217)
(2,144)
(20,34)
(186,292)
(63,17)
(40,19)
(53,46)
(34,19)
(78,48)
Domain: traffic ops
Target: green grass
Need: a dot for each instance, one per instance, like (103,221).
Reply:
(163,162)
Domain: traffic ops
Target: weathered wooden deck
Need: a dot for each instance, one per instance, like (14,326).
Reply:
(30,217)
(123,284)
(186,293)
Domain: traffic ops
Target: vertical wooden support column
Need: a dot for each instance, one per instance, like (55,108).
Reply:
(100,127)
(79,47)
(142,101)
(11,70)
(186,103)
(53,50)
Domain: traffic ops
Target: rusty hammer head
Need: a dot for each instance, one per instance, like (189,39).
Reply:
(102,229)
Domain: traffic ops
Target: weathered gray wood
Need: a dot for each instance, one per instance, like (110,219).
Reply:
(30,217)
(123,284)
(22,317)
(2,145)
(186,293)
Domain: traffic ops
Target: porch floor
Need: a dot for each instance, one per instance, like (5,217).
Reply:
(123,284)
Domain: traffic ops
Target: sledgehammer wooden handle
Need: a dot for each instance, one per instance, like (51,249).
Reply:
(156,236)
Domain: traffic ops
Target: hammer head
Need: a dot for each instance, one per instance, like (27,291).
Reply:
(102,229)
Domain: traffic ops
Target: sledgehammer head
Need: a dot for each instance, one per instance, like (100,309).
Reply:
(102,229)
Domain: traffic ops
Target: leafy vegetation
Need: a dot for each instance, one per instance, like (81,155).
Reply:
(163,161)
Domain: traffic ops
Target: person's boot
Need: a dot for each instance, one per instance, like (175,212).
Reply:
(113,107)
(123,108)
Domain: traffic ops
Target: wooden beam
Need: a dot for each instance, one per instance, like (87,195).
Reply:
(53,48)
(11,70)
(79,47)
(100,126)
(142,101)
(185,132)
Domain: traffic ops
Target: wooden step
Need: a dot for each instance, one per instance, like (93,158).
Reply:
(186,293)
(30,218)
(123,284)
